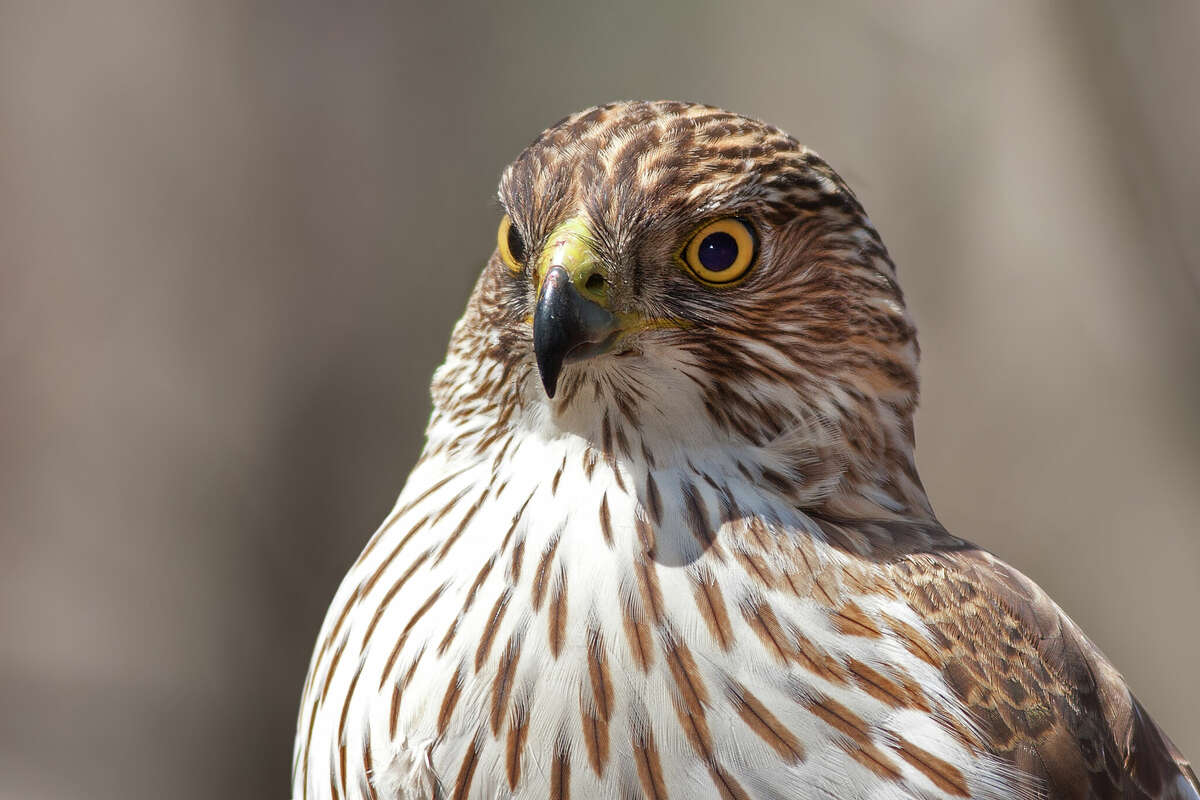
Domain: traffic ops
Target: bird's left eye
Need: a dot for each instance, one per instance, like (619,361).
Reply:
(721,252)
(511,245)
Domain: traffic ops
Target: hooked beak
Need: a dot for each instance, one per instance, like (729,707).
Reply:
(567,327)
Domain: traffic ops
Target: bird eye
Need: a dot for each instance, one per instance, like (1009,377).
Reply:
(722,251)
(511,245)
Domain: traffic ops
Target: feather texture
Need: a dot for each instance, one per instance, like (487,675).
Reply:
(707,567)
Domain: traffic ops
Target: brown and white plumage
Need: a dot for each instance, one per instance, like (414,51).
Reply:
(698,561)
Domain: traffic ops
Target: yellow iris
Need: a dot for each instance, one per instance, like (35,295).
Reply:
(511,245)
(721,252)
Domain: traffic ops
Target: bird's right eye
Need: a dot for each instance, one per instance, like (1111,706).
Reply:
(511,245)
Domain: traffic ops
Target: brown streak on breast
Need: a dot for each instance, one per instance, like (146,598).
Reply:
(490,628)
(409,506)
(637,632)
(351,602)
(762,620)
(693,695)
(602,691)
(838,716)
(502,684)
(765,724)
(857,744)
(449,700)
(487,440)
(308,743)
(606,520)
(616,473)
(872,758)
(560,773)
(816,660)
(514,564)
(726,785)
(500,453)
(518,732)
(337,782)
(651,592)
(394,711)
(851,620)
(595,735)
(516,519)
(449,637)
(466,773)
(711,603)
(542,575)
(449,506)
(484,571)
(403,686)
(885,689)
(556,621)
(645,754)
(756,567)
(558,476)
(391,593)
(462,526)
(403,638)
(913,641)
(820,577)
(337,656)
(379,535)
(941,774)
(368,768)
(341,728)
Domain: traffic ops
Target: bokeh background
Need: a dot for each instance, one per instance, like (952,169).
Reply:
(234,237)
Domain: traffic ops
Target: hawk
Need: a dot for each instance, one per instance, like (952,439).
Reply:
(667,539)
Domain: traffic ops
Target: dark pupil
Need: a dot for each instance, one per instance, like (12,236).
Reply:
(718,251)
(516,245)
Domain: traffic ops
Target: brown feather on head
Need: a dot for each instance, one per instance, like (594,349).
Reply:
(810,355)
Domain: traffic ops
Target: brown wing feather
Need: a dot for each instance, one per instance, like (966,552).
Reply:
(1044,697)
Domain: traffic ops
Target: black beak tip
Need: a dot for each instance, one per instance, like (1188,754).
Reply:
(549,373)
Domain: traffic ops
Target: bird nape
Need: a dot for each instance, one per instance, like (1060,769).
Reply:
(667,538)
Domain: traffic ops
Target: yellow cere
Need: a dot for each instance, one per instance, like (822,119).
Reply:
(730,243)
(567,247)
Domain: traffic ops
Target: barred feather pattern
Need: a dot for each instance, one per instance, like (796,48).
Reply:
(707,567)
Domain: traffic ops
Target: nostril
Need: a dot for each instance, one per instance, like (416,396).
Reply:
(595,282)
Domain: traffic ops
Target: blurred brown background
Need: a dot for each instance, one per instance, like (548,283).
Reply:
(234,237)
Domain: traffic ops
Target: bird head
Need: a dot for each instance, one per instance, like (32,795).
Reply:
(674,267)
